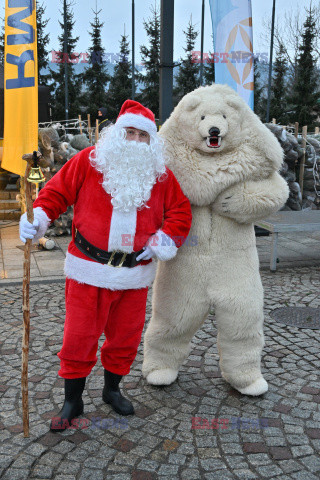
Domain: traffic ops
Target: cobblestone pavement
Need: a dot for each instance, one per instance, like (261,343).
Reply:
(276,436)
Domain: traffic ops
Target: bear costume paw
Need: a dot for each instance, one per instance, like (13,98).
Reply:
(258,387)
(166,376)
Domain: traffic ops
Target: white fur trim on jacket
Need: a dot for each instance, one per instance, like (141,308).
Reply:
(162,246)
(122,230)
(137,121)
(44,222)
(105,276)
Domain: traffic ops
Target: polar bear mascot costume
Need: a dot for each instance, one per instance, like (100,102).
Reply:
(227,164)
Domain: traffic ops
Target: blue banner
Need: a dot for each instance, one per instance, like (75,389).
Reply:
(233,49)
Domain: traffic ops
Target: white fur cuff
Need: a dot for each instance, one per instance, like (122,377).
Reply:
(137,121)
(44,222)
(162,246)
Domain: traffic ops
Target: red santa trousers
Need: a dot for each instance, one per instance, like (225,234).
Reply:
(90,310)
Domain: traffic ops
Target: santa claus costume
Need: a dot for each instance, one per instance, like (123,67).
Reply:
(125,199)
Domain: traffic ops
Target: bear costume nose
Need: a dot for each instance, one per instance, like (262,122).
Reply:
(214,131)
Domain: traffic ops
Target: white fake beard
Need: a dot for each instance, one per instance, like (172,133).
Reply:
(130,169)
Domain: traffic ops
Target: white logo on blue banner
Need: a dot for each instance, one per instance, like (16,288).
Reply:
(233,50)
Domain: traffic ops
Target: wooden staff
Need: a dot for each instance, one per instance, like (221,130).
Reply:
(97,130)
(80,124)
(89,128)
(26,308)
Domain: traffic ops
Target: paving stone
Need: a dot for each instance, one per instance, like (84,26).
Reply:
(269,471)
(88,474)
(42,471)
(16,474)
(280,453)
(189,474)
(143,475)
(168,470)
(254,447)
(303,475)
(312,463)
(148,465)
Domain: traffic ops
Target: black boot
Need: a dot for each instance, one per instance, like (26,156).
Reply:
(111,394)
(73,404)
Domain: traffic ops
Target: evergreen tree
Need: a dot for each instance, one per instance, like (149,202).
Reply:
(278,91)
(74,81)
(209,71)
(151,59)
(42,43)
(188,76)
(120,88)
(95,77)
(305,89)
(257,92)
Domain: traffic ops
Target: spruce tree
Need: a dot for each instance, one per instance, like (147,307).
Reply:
(305,89)
(151,58)
(278,91)
(259,101)
(74,81)
(188,77)
(42,43)
(120,88)
(96,76)
(209,71)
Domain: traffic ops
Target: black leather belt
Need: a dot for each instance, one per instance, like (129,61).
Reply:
(113,259)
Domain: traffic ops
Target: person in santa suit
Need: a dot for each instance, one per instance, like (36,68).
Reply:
(129,210)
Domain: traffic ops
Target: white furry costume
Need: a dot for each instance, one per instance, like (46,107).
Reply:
(231,181)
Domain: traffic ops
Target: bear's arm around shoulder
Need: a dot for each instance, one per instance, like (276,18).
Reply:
(252,200)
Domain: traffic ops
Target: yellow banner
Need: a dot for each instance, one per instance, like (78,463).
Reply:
(20,84)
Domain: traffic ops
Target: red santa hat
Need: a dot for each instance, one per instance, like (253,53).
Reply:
(133,114)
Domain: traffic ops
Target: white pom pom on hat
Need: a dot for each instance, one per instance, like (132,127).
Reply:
(133,114)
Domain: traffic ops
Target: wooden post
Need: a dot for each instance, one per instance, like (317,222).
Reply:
(80,124)
(296,129)
(316,131)
(302,163)
(89,128)
(26,309)
(97,130)
(274,121)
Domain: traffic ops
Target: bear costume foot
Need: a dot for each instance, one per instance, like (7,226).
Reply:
(258,387)
(165,376)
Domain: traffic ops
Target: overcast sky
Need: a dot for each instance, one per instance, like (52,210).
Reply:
(117,13)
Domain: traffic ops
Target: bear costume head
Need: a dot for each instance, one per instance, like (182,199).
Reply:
(214,140)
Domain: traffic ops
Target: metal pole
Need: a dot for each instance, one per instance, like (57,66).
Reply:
(65,57)
(166,59)
(133,60)
(202,35)
(270,64)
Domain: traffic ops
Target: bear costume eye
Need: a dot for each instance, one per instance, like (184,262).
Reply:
(203,117)
(224,116)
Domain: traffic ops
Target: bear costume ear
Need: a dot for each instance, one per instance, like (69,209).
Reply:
(234,102)
(191,102)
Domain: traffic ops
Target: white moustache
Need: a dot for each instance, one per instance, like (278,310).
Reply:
(129,168)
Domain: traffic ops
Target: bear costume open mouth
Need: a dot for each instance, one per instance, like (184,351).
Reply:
(214,141)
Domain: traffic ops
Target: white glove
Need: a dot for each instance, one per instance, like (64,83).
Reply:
(146,255)
(26,229)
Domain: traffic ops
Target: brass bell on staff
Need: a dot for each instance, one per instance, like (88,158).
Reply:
(35,175)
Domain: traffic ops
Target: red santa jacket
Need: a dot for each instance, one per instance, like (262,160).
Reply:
(78,183)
